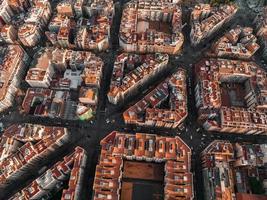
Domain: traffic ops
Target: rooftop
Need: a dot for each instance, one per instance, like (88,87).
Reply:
(75,28)
(39,71)
(206,19)
(45,102)
(131,70)
(228,168)
(11,64)
(239,42)
(228,87)
(71,165)
(21,144)
(118,147)
(139,28)
(149,111)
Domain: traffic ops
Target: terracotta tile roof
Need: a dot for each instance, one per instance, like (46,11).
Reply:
(147,148)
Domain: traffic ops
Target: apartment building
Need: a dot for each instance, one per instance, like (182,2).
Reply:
(57,21)
(53,74)
(118,147)
(228,169)
(45,102)
(260,23)
(8,34)
(74,190)
(70,167)
(9,8)
(52,66)
(93,72)
(217,176)
(231,96)
(65,8)
(71,28)
(14,135)
(151,26)
(148,111)
(30,32)
(23,146)
(13,61)
(238,43)
(206,20)
(88,96)
(88,101)
(127,77)
(41,74)
(104,7)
